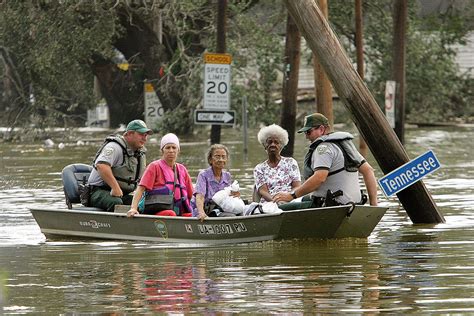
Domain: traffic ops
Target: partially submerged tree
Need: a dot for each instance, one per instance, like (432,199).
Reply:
(46,60)
(436,90)
(51,50)
(57,47)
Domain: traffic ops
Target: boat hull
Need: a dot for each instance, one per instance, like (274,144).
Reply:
(310,223)
(361,222)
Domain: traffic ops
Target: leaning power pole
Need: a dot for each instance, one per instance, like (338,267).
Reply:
(360,60)
(220,48)
(290,83)
(382,141)
(400,14)
(322,85)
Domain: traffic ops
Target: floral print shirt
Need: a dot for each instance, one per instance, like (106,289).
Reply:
(277,179)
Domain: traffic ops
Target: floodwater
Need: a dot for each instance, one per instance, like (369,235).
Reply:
(400,268)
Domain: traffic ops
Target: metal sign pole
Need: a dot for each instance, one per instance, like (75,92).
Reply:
(244,123)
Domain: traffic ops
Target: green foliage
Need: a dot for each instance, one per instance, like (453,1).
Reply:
(435,91)
(256,60)
(48,49)
(179,121)
(51,45)
(257,52)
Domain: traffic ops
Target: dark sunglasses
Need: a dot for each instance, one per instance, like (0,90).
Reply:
(311,129)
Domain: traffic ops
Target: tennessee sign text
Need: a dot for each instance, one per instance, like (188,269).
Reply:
(409,173)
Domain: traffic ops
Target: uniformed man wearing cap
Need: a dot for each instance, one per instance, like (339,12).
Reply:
(332,163)
(118,167)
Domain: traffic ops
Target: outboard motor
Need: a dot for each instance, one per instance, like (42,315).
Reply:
(73,176)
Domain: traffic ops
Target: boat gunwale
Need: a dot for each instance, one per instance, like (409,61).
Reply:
(180,218)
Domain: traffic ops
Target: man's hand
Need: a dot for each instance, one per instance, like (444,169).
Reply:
(116,192)
(105,172)
(282,197)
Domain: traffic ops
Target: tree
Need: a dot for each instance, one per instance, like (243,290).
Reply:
(46,60)
(100,32)
(52,49)
(430,54)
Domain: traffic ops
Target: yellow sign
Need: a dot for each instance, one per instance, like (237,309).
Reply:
(149,87)
(211,58)
(123,66)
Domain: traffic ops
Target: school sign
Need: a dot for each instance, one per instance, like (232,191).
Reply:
(409,173)
(217,71)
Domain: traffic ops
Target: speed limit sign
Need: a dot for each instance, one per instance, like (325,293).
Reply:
(153,109)
(217,71)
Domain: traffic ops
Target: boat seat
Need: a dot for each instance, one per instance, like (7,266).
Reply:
(74,175)
(255,195)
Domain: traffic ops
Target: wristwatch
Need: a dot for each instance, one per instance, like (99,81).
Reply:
(293,194)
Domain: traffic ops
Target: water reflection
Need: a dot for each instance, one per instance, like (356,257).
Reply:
(400,268)
(171,288)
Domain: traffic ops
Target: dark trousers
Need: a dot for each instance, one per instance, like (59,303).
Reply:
(101,198)
(306,202)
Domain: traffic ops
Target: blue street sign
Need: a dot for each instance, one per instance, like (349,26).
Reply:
(409,173)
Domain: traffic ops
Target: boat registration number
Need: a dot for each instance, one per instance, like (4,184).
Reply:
(220,229)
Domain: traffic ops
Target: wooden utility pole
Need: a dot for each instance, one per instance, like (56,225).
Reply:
(400,14)
(220,48)
(322,84)
(360,60)
(382,141)
(290,83)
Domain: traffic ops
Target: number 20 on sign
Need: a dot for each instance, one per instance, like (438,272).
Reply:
(217,73)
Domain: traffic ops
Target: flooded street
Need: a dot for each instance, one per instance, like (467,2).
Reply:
(400,268)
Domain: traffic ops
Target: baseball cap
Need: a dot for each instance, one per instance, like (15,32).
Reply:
(313,120)
(138,126)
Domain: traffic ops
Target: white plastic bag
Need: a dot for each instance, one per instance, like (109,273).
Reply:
(227,202)
(271,208)
(255,208)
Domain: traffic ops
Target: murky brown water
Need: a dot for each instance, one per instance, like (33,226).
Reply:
(401,268)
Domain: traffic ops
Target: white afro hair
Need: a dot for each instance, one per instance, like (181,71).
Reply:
(275,131)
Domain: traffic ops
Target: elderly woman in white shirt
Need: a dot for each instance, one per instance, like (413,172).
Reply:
(276,173)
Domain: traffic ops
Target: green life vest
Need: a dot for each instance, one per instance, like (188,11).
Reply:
(128,174)
(343,140)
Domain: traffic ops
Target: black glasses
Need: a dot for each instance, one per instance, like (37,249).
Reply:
(220,157)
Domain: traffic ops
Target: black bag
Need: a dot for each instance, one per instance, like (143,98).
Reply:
(85,194)
(212,209)
(330,199)
(160,199)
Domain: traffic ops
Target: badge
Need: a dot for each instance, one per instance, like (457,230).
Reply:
(108,152)
(322,149)
(160,226)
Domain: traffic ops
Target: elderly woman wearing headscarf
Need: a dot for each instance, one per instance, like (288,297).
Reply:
(277,173)
(161,173)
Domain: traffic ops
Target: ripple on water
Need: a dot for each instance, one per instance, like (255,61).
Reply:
(400,268)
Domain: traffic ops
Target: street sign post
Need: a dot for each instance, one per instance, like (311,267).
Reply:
(409,173)
(217,81)
(214,117)
(390,89)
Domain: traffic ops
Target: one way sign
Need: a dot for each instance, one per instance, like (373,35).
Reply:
(215,117)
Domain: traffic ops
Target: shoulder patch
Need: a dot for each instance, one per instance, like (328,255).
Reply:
(108,151)
(321,149)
